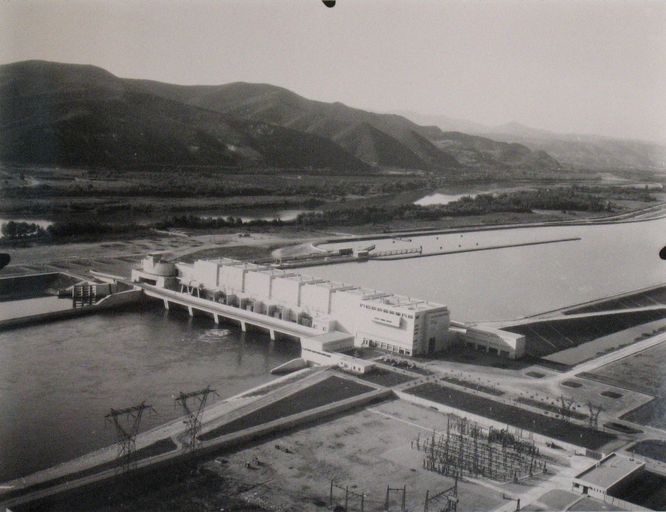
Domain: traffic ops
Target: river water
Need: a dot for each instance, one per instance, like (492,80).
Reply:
(514,282)
(58,380)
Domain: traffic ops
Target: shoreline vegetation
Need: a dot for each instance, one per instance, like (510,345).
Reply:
(562,199)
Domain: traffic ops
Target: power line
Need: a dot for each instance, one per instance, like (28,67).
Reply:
(127,423)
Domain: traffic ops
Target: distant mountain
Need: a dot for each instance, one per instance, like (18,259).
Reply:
(448,124)
(335,121)
(66,114)
(387,140)
(575,150)
(478,151)
(593,152)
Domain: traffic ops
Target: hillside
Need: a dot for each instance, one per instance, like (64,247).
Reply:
(477,151)
(63,114)
(574,150)
(594,152)
(267,103)
(411,144)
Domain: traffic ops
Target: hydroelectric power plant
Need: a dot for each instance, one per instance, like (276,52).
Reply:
(326,316)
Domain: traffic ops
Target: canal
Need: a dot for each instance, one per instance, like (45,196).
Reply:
(513,282)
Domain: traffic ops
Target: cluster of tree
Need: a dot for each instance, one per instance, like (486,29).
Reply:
(196,222)
(569,198)
(13,230)
(60,230)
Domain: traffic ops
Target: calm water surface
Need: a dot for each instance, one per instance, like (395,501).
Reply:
(34,306)
(515,282)
(58,380)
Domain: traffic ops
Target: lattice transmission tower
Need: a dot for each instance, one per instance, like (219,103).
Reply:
(193,405)
(127,423)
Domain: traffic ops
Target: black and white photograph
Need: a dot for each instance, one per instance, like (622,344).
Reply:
(332,255)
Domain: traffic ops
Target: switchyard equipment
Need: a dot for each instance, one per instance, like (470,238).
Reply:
(127,422)
(466,448)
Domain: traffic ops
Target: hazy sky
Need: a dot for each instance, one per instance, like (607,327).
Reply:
(568,66)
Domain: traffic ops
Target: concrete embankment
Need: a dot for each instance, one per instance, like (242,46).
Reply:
(625,218)
(116,300)
(34,285)
(290,366)
(473,249)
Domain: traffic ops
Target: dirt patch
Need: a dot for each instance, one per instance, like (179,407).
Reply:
(237,252)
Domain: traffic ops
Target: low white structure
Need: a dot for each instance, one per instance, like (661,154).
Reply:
(325,350)
(611,473)
(155,271)
(494,341)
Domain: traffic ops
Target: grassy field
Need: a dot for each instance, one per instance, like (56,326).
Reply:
(654,297)
(649,491)
(644,372)
(332,389)
(515,416)
(384,377)
(653,448)
(156,448)
(549,336)
(652,414)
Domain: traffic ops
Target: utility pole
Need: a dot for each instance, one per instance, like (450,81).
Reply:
(127,422)
(566,407)
(510,498)
(448,498)
(348,494)
(193,405)
(594,411)
(402,490)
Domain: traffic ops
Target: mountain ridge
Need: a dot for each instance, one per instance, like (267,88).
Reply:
(586,151)
(73,114)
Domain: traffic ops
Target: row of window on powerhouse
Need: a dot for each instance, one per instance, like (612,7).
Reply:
(389,311)
(367,342)
(483,347)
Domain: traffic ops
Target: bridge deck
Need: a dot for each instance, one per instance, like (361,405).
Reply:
(229,312)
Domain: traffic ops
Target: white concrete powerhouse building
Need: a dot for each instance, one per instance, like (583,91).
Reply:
(376,319)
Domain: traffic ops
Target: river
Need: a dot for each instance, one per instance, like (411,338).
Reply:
(58,380)
(514,282)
